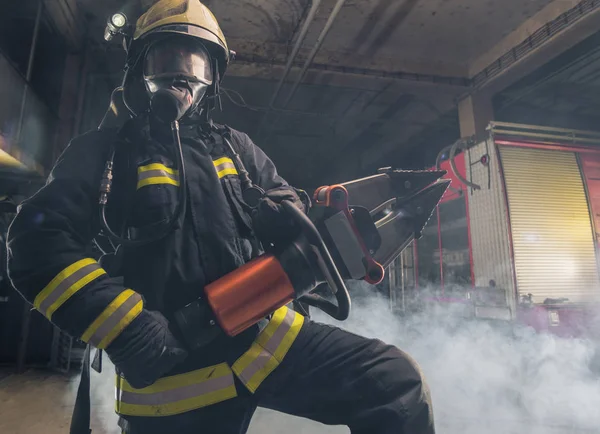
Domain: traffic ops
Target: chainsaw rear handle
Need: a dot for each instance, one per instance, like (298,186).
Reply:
(327,267)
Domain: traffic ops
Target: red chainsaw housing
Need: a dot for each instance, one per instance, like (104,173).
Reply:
(253,291)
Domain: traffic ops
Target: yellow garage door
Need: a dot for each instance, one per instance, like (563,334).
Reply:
(551,227)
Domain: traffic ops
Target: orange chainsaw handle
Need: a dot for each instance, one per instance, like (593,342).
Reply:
(328,269)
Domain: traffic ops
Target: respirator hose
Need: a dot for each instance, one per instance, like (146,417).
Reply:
(178,214)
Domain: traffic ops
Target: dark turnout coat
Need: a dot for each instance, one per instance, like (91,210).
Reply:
(49,259)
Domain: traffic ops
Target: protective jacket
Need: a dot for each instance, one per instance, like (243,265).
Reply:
(50,262)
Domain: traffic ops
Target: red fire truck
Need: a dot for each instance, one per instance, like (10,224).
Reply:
(515,238)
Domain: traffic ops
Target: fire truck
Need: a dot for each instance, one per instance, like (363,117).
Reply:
(515,238)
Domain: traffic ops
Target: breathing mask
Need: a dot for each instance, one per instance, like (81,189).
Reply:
(177,74)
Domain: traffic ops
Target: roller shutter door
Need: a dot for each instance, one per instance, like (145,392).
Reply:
(552,235)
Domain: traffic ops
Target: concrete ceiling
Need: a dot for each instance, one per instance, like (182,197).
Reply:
(388,71)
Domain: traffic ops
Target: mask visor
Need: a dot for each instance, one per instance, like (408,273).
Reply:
(177,59)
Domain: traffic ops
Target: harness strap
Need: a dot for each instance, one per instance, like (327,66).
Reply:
(80,421)
(219,134)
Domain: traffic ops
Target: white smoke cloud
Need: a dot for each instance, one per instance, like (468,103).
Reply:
(484,378)
(487,377)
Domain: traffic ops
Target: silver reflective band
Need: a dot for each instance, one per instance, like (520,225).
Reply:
(114,319)
(157,173)
(225,166)
(269,349)
(178,393)
(66,284)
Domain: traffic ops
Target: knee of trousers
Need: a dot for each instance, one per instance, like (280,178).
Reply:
(402,382)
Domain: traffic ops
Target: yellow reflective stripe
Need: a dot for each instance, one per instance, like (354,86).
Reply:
(289,337)
(66,284)
(157,166)
(157,180)
(58,279)
(157,173)
(249,356)
(225,172)
(176,394)
(269,348)
(113,320)
(225,166)
(222,160)
(179,380)
(276,320)
(266,363)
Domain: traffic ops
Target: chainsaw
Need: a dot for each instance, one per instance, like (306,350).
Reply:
(354,231)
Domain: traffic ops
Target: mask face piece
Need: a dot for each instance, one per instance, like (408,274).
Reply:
(181,67)
(177,58)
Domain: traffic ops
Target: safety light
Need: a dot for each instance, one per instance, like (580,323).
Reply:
(114,26)
(119,20)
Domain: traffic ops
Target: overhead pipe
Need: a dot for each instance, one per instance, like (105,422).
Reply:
(288,67)
(309,61)
(29,73)
(332,17)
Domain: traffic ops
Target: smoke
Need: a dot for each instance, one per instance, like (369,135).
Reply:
(489,377)
(104,418)
(484,377)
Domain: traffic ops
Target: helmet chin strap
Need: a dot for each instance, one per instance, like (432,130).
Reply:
(214,97)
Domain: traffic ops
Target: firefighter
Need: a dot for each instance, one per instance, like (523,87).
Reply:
(287,362)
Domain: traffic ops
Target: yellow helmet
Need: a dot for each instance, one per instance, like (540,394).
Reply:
(186,17)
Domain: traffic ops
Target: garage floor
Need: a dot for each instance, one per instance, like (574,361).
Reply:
(42,402)
(39,402)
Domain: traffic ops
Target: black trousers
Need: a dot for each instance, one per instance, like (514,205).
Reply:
(330,376)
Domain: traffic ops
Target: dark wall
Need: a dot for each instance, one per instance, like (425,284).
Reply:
(38,126)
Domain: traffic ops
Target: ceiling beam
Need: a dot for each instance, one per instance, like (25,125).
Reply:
(583,92)
(552,31)
(532,114)
(521,33)
(267,60)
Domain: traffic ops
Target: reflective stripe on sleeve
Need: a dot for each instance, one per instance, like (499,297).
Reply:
(157,173)
(177,394)
(65,284)
(269,348)
(224,166)
(113,320)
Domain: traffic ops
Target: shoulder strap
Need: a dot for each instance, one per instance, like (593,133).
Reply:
(224,137)
(81,419)
(221,132)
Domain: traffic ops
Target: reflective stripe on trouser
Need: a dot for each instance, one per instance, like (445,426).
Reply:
(269,348)
(193,390)
(66,284)
(176,394)
(113,320)
(224,166)
(157,173)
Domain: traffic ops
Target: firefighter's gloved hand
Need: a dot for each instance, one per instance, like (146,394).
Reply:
(147,351)
(272,224)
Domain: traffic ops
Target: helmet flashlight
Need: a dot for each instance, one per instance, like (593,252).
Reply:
(114,26)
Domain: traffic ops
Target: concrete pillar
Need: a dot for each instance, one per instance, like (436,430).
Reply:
(475,112)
